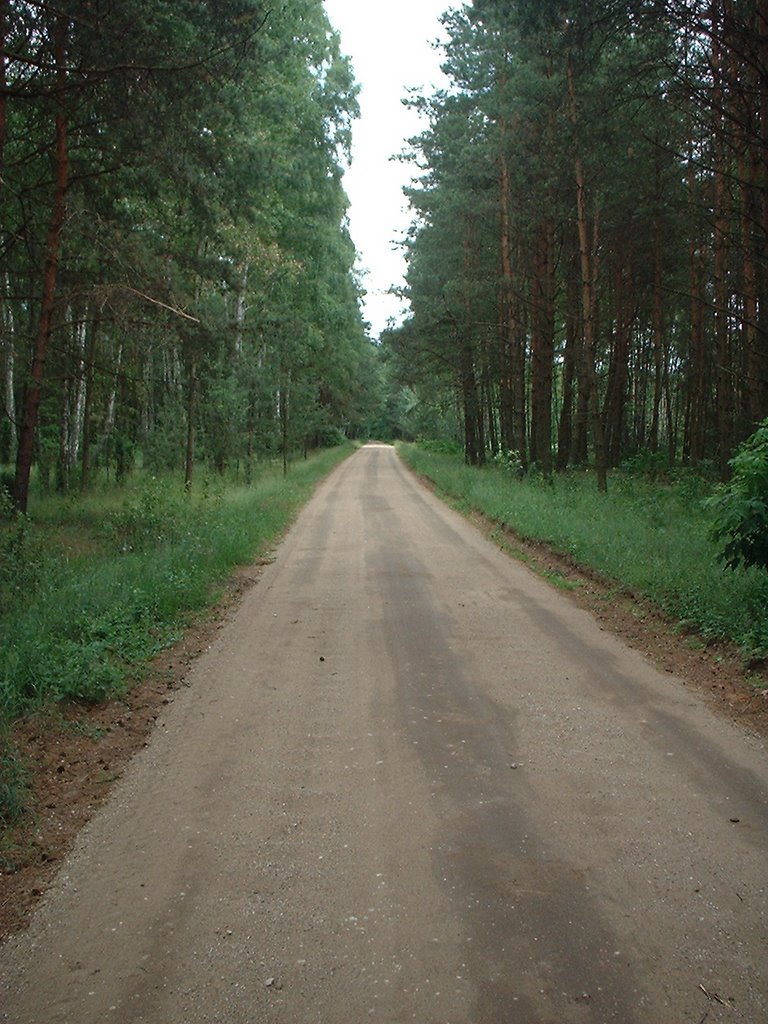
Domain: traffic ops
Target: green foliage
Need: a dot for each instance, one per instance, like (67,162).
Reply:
(652,538)
(441,447)
(741,506)
(651,464)
(163,447)
(148,518)
(540,95)
(205,241)
(22,561)
(509,461)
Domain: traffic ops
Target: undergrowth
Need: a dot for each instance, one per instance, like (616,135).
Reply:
(650,536)
(13,785)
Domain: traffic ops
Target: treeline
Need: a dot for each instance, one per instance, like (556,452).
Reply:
(587,265)
(176,274)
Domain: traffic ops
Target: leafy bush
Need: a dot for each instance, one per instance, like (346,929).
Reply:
(509,461)
(652,465)
(741,506)
(328,436)
(147,519)
(22,562)
(6,491)
(441,447)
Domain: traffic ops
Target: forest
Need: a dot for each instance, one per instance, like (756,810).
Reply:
(176,272)
(587,262)
(183,351)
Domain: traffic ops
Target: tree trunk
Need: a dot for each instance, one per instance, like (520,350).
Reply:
(78,410)
(8,431)
(511,335)
(720,241)
(566,426)
(284,424)
(751,154)
(695,446)
(4,8)
(618,370)
(589,300)
(189,458)
(473,422)
(658,318)
(761,226)
(33,391)
(85,457)
(65,427)
(241,309)
(474,433)
(542,347)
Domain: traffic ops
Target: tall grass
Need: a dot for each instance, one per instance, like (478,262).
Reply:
(650,537)
(90,589)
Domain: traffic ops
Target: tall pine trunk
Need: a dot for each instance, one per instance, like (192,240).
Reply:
(565,430)
(4,8)
(761,228)
(542,346)
(754,224)
(34,388)
(511,335)
(725,425)
(474,435)
(189,456)
(618,369)
(587,252)
(659,336)
(697,383)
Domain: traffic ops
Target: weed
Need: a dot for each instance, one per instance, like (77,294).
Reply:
(82,727)
(561,582)
(22,562)
(13,786)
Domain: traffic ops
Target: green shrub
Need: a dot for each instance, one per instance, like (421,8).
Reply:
(653,465)
(23,564)
(147,518)
(741,506)
(509,461)
(441,447)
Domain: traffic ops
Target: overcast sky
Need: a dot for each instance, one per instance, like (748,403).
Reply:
(389,45)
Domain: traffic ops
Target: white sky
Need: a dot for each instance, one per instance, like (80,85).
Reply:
(389,45)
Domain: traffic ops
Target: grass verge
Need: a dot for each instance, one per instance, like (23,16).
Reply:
(90,590)
(651,538)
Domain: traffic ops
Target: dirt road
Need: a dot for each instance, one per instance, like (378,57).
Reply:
(411,782)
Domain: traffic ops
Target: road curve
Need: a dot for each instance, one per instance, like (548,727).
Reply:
(410,782)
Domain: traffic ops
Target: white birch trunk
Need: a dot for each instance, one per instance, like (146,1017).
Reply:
(78,417)
(9,365)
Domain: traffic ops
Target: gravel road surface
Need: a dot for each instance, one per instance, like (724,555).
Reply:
(412,782)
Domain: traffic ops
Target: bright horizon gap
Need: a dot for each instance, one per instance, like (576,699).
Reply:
(379,216)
